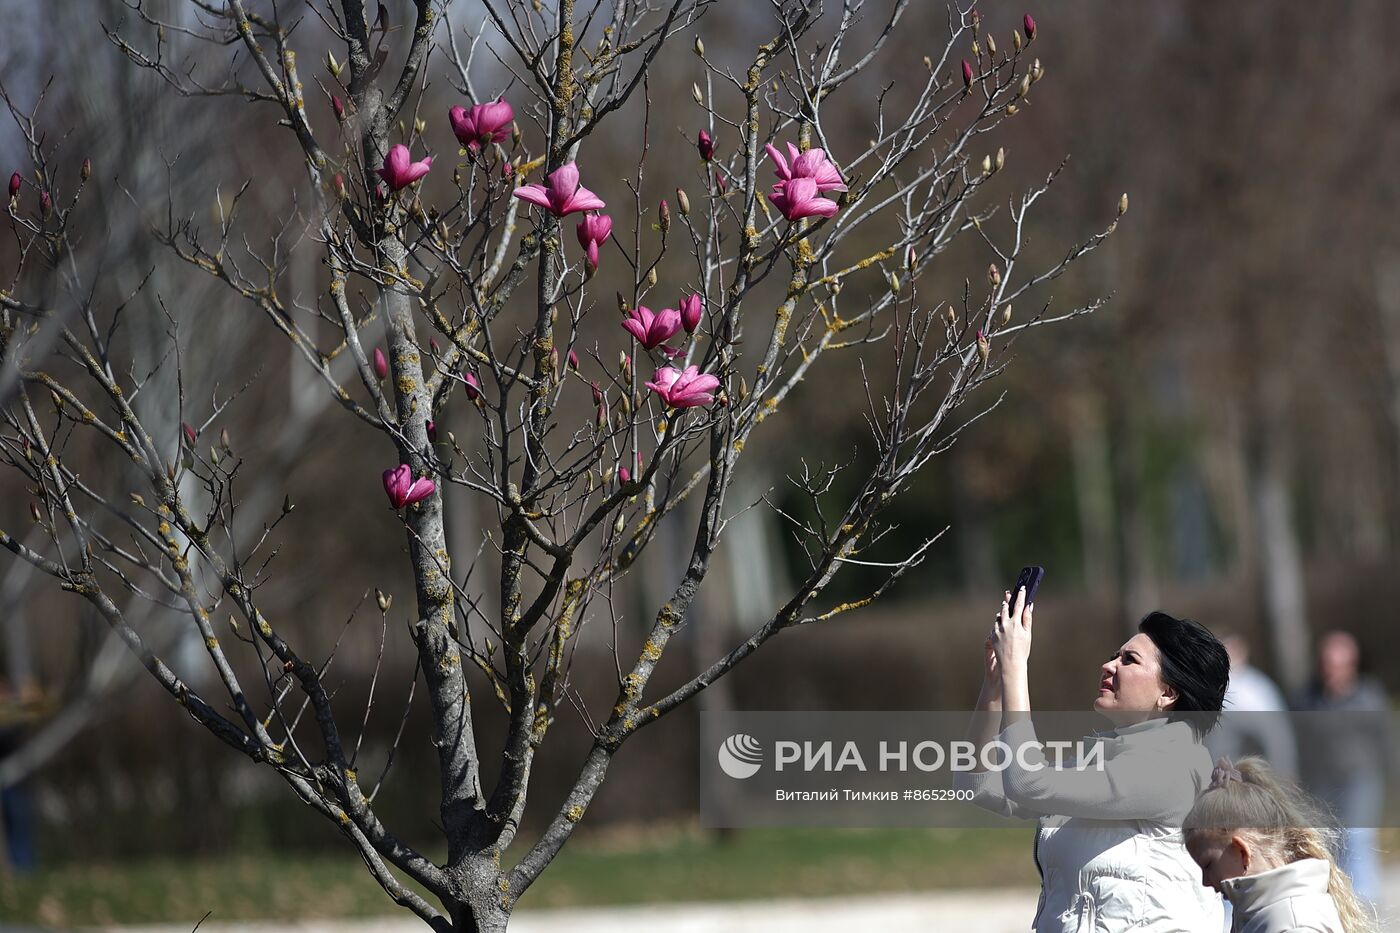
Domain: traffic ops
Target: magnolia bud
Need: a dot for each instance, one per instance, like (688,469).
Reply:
(624,307)
(1000,159)
(34,512)
(384,601)
(1037,72)
(620,525)
(991,45)
(340,189)
(1012,110)
(553,360)
(597,392)
(624,365)
(332,64)
(986,165)
(224,439)
(695,93)
(188,430)
(1123,204)
(1024,88)
(1029,25)
(651,276)
(994,275)
(911,258)
(1016,40)
(683,202)
(287,504)
(1005,316)
(893,280)
(664,218)
(137,500)
(967,75)
(214,455)
(86,170)
(984,348)
(339,107)
(699,47)
(573,360)
(928,63)
(45,203)
(233,623)
(976,49)
(624,475)
(951,315)
(419,125)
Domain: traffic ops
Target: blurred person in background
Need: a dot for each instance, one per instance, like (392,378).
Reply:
(1264,729)
(1348,757)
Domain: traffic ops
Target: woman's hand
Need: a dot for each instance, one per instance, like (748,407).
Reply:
(1011,636)
(990,698)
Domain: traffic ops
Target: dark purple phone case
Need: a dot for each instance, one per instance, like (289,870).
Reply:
(1030,578)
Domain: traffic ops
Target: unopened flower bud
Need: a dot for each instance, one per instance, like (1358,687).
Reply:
(1123,204)
(683,202)
(951,315)
(384,600)
(86,170)
(986,166)
(991,45)
(699,47)
(45,203)
(984,348)
(967,75)
(597,392)
(695,93)
(338,106)
(1024,88)
(624,365)
(994,275)
(232,623)
(340,190)
(1005,316)
(664,217)
(1037,72)
(1000,161)
(332,64)
(624,475)
(188,430)
(224,439)
(15,182)
(287,504)
(1029,24)
(1016,40)
(624,307)
(420,125)
(620,525)
(515,134)
(651,276)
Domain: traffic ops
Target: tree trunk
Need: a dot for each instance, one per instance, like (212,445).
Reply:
(1137,583)
(1279,572)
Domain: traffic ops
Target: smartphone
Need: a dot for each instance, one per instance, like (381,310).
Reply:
(1030,578)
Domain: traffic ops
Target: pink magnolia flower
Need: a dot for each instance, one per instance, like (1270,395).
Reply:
(381,364)
(624,475)
(573,360)
(403,489)
(432,432)
(563,195)
(1029,24)
(15,181)
(473,387)
(811,164)
(400,171)
(593,231)
(189,432)
(967,74)
(652,329)
(798,198)
(339,107)
(483,124)
(691,311)
(706,144)
(686,389)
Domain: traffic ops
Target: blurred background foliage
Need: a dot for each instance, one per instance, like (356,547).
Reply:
(1221,441)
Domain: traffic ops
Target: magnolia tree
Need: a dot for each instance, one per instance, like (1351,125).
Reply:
(481,294)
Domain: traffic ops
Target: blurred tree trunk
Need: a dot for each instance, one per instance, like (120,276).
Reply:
(1137,581)
(1279,569)
(1093,487)
(971,519)
(1388,313)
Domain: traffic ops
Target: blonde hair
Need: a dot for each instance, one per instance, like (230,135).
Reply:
(1247,799)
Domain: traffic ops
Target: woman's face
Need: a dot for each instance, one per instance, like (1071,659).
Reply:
(1130,683)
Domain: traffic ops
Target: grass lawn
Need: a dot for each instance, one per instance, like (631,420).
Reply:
(613,867)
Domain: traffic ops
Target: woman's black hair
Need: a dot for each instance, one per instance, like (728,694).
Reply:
(1194,664)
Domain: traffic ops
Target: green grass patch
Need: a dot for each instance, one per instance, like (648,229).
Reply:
(618,866)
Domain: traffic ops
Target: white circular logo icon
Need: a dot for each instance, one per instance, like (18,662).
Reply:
(740,756)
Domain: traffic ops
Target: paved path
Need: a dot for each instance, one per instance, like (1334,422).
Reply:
(984,911)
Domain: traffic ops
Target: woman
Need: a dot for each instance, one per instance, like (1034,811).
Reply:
(1108,843)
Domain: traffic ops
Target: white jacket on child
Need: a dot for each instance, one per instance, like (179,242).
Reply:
(1291,899)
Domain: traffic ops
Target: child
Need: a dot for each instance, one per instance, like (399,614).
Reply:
(1264,846)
